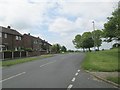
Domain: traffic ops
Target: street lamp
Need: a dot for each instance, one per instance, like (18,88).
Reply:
(94,33)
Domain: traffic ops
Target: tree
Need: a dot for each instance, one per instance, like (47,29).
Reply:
(84,41)
(63,49)
(112,27)
(55,48)
(97,35)
(87,40)
(77,41)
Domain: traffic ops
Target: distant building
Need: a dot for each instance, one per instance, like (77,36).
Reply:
(31,42)
(10,39)
(35,43)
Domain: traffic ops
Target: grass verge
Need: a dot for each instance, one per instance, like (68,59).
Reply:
(105,61)
(23,60)
(114,79)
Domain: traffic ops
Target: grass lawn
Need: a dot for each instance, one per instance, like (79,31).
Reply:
(105,61)
(23,60)
(114,79)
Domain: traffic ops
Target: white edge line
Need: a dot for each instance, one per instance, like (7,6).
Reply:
(78,70)
(12,77)
(76,74)
(47,63)
(70,86)
(73,79)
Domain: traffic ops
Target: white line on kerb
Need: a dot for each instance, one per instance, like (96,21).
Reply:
(76,74)
(47,63)
(70,86)
(78,70)
(73,79)
(12,77)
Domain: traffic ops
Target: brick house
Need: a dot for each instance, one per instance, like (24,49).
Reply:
(46,47)
(10,39)
(35,43)
(31,42)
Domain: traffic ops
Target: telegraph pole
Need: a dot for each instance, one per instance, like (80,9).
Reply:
(94,33)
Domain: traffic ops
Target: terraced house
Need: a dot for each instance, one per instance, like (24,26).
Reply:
(12,40)
(35,44)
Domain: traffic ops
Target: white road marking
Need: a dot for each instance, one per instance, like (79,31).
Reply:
(12,77)
(70,86)
(76,74)
(47,63)
(78,70)
(73,79)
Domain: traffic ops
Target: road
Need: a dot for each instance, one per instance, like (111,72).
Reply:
(60,71)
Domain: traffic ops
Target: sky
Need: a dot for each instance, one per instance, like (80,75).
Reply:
(56,21)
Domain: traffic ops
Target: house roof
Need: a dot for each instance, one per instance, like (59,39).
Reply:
(10,31)
(32,37)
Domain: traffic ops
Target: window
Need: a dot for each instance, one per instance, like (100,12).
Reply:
(16,48)
(0,34)
(0,49)
(17,38)
(5,35)
(19,48)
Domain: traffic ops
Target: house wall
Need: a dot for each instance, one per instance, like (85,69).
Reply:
(8,42)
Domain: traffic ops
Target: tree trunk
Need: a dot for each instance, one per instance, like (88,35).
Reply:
(89,50)
(83,50)
(98,48)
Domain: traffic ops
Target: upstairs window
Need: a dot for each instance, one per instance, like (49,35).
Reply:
(17,38)
(5,35)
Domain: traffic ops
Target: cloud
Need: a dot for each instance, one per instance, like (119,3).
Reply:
(21,14)
(66,18)
(62,25)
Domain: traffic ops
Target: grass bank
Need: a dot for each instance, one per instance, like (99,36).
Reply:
(114,79)
(105,61)
(23,60)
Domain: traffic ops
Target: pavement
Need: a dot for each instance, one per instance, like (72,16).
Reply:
(60,71)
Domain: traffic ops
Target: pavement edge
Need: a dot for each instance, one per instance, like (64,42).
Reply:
(117,85)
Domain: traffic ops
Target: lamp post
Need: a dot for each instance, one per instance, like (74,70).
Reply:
(94,33)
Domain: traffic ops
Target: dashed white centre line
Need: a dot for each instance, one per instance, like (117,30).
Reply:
(73,79)
(12,77)
(76,74)
(78,70)
(70,86)
(47,63)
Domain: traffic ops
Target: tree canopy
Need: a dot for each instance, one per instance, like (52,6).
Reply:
(97,35)
(112,27)
(63,49)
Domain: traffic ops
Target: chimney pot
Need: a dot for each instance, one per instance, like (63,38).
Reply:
(8,27)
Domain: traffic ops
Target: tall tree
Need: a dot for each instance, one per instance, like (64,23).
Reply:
(112,27)
(77,41)
(55,48)
(97,35)
(87,40)
(63,49)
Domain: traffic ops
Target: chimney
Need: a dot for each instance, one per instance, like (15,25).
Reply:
(28,33)
(8,27)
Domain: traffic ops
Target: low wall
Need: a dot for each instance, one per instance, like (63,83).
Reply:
(20,54)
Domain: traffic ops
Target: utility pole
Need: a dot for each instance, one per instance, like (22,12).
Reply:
(94,33)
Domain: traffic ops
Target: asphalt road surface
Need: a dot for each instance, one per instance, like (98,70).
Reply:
(60,71)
